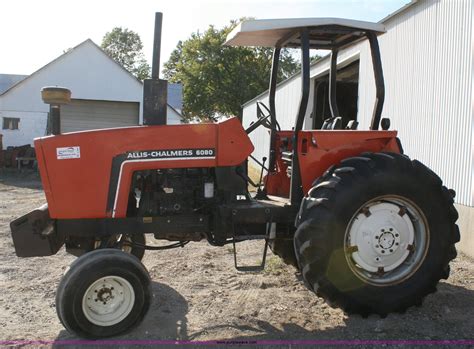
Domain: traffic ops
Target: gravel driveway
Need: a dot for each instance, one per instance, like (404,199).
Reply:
(198,295)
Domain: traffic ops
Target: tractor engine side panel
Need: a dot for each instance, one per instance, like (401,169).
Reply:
(88,174)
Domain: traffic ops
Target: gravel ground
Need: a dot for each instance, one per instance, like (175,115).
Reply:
(198,295)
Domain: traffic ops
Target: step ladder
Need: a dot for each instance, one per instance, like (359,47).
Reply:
(251,268)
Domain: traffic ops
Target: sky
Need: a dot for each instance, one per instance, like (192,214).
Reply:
(34,32)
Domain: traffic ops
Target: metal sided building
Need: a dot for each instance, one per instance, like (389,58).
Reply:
(428,61)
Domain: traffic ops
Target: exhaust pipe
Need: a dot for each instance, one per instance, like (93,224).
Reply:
(55,96)
(155,90)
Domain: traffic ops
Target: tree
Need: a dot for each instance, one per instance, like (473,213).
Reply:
(218,79)
(125,47)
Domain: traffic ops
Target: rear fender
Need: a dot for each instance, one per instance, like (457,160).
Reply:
(319,150)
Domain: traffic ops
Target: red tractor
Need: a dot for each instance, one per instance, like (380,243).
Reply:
(370,230)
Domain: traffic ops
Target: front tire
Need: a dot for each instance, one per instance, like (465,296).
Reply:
(376,234)
(105,293)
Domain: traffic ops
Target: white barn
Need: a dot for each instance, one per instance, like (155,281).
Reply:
(428,60)
(104,95)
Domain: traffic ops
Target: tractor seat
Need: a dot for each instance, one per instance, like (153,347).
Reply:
(352,125)
(334,123)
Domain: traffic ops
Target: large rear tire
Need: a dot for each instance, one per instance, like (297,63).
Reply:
(105,293)
(376,233)
(281,244)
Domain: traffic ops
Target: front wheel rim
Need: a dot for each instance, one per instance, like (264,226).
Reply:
(108,300)
(386,240)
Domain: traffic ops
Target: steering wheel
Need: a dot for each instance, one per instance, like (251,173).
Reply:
(263,119)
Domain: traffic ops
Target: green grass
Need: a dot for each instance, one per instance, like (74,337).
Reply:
(274,265)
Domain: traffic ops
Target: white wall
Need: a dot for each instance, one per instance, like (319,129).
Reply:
(428,59)
(85,70)
(32,124)
(428,62)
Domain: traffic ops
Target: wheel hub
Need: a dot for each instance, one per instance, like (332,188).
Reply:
(380,240)
(108,301)
(104,295)
(386,241)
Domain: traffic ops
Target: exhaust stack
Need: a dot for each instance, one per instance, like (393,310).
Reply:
(155,90)
(55,96)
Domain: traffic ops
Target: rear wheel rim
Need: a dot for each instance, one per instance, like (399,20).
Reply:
(386,240)
(108,300)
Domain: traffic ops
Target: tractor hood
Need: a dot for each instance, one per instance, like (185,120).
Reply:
(87,174)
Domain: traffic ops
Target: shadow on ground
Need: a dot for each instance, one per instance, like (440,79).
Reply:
(445,315)
(166,318)
(26,178)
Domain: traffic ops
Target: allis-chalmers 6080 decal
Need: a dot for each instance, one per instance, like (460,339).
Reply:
(177,153)
(145,156)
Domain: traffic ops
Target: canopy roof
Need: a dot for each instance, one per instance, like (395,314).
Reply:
(324,33)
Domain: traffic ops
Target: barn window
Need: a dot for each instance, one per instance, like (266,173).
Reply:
(10,123)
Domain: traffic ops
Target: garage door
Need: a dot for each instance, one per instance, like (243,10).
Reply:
(83,114)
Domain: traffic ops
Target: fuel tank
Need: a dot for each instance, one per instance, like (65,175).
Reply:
(88,174)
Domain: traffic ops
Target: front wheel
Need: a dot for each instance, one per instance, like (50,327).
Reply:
(376,234)
(105,293)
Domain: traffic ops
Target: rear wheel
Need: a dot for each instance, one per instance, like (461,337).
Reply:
(104,293)
(376,234)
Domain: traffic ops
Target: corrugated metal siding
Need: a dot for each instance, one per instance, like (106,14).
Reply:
(428,62)
(82,115)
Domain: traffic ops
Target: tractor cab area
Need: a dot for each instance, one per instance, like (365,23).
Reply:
(297,157)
